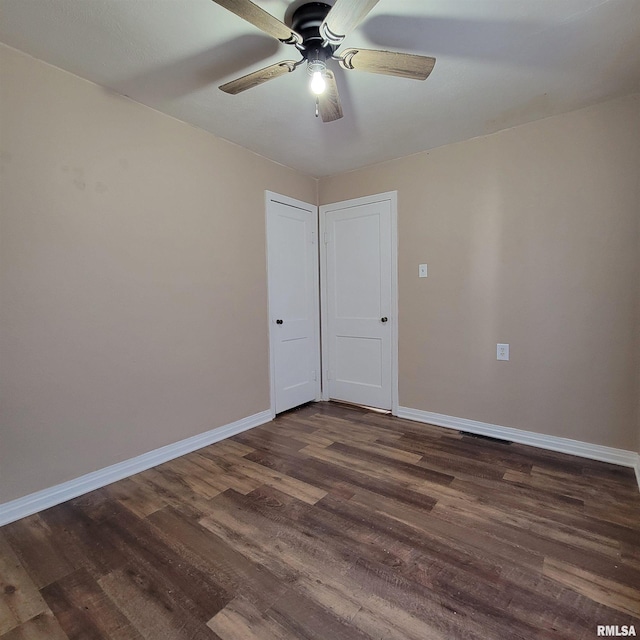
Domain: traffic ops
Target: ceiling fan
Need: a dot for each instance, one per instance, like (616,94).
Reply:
(317,30)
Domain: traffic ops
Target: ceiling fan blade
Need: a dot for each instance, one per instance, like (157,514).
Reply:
(390,63)
(258,17)
(344,17)
(329,101)
(258,77)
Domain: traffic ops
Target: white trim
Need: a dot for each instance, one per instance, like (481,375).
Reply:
(34,502)
(392,197)
(621,457)
(324,343)
(637,468)
(271,196)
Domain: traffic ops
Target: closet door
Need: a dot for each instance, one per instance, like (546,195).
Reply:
(292,252)
(359,304)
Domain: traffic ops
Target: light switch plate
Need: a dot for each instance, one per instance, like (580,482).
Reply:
(422,271)
(503,352)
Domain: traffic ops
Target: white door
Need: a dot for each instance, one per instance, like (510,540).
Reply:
(359,305)
(292,253)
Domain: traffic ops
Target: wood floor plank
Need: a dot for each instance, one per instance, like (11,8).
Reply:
(548,543)
(498,455)
(614,512)
(319,550)
(230,447)
(138,498)
(608,592)
(174,490)
(262,533)
(83,540)
(353,431)
(33,542)
(312,437)
(374,615)
(235,572)
(44,626)
(152,610)
(224,472)
(148,555)
(84,610)
(461,466)
(264,475)
(241,619)
(270,439)
(20,599)
(307,618)
(340,479)
(407,514)
(416,478)
(199,475)
(378,449)
(334,521)
(507,524)
(496,606)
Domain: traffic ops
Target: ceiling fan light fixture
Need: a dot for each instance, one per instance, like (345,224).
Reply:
(316,68)
(318,84)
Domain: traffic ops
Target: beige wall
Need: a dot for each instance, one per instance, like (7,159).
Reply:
(531,237)
(133,286)
(133,279)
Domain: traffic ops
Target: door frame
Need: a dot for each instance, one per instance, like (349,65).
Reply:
(271,196)
(392,197)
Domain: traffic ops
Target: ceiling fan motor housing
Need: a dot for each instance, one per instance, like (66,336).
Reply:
(306,21)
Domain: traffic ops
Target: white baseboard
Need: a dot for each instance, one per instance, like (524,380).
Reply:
(621,457)
(34,502)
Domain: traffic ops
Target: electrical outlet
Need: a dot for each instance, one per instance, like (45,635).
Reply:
(503,352)
(422,271)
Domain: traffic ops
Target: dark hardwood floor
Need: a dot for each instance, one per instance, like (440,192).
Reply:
(334,522)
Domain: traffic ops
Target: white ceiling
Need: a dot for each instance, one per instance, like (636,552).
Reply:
(499,63)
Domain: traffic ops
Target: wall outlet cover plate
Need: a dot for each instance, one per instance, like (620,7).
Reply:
(502,351)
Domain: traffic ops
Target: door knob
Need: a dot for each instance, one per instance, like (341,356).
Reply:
(384,319)
(279,321)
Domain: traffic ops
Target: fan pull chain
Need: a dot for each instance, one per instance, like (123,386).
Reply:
(317,107)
